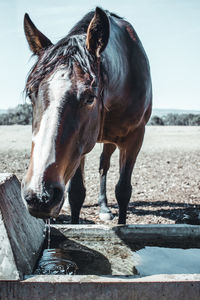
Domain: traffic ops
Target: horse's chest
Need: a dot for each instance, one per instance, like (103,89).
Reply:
(116,126)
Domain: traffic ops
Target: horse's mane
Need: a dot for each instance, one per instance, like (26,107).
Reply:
(66,51)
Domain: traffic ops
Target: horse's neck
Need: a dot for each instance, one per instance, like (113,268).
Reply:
(115,60)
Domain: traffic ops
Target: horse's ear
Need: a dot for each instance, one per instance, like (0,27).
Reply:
(36,39)
(98,32)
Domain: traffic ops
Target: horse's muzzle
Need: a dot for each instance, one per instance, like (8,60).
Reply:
(45,204)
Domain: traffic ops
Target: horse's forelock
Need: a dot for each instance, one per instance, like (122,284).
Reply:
(66,54)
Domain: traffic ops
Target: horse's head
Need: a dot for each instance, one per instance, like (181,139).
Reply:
(64,87)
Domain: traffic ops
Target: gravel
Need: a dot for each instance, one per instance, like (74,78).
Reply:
(166,185)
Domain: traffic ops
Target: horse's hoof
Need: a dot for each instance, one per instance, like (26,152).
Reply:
(106,216)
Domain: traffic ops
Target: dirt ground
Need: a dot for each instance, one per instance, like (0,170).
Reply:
(166,185)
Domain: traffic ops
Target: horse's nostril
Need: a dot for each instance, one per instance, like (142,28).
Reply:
(57,193)
(30,199)
(50,196)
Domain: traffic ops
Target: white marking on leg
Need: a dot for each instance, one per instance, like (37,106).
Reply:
(106,216)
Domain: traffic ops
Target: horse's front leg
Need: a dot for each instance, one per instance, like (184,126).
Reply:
(105,213)
(128,155)
(76,192)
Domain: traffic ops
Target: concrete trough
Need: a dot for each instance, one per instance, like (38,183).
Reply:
(98,239)
(107,269)
(21,236)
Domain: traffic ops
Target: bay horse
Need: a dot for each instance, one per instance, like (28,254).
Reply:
(92,86)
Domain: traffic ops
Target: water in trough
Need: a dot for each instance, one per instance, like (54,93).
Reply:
(83,255)
(54,261)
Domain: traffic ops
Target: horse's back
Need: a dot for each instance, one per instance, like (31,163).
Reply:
(128,95)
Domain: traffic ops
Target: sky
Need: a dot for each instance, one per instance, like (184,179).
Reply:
(168,29)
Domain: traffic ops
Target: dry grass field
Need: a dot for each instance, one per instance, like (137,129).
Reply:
(166,185)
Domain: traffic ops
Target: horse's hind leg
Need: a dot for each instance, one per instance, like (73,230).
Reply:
(76,192)
(105,213)
(128,155)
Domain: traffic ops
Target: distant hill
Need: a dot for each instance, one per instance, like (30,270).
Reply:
(163,112)
(3,111)
(156,111)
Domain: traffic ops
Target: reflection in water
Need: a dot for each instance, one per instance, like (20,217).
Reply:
(56,262)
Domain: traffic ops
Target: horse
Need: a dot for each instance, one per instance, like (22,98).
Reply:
(92,86)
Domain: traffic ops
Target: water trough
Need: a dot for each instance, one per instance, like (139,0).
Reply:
(107,267)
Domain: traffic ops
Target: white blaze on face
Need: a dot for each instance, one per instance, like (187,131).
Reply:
(44,153)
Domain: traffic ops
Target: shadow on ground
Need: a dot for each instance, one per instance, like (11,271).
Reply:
(179,212)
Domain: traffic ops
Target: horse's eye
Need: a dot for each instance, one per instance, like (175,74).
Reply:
(90,100)
(29,95)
